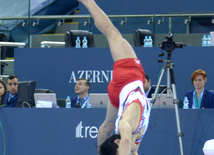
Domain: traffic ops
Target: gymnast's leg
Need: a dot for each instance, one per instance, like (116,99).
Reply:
(119,47)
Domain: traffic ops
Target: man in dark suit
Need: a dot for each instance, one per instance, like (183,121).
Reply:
(82,100)
(149,90)
(11,96)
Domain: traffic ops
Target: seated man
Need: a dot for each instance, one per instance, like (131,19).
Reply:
(149,90)
(82,100)
(11,96)
(128,107)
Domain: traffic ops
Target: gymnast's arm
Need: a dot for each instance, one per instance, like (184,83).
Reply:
(125,130)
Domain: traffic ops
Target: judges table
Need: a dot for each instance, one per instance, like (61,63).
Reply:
(74,131)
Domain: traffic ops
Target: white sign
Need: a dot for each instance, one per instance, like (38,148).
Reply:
(85,131)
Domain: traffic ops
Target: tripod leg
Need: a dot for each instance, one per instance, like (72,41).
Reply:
(157,88)
(175,101)
(168,90)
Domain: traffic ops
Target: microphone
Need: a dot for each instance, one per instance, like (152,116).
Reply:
(78,105)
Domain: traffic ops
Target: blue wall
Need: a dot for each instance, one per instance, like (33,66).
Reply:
(57,68)
(121,7)
(153,6)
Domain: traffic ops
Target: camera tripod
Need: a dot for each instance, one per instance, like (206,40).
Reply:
(172,90)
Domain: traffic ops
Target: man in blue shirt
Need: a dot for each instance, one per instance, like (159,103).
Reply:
(11,96)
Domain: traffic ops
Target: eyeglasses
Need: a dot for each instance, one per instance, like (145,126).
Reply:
(10,84)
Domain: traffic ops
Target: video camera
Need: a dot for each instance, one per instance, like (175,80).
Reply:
(169,45)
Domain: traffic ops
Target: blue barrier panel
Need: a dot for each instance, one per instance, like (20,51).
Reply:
(50,131)
(58,68)
(74,131)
